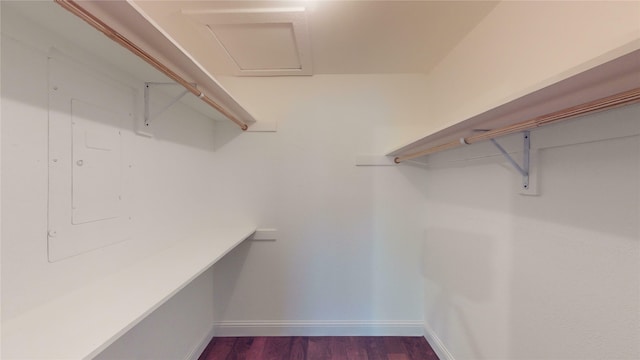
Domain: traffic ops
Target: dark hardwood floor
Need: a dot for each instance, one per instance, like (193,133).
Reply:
(319,348)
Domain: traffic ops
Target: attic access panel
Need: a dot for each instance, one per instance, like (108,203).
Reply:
(260,42)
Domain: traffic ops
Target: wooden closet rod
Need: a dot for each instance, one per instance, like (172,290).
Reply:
(623,98)
(98,24)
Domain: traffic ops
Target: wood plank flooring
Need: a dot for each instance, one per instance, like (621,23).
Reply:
(319,348)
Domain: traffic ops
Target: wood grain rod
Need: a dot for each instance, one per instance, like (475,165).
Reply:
(620,99)
(79,11)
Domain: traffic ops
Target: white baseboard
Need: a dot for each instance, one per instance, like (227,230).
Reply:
(319,328)
(202,344)
(436,344)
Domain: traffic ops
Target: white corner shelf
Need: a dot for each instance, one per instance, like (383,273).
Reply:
(81,324)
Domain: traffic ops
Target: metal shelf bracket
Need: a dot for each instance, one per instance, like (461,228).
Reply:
(148,117)
(524,169)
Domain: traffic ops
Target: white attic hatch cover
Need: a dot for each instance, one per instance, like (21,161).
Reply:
(260,42)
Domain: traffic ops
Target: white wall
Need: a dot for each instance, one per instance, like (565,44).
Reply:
(348,249)
(172,177)
(553,276)
(521,47)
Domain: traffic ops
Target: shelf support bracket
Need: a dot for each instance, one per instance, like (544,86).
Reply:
(524,169)
(148,117)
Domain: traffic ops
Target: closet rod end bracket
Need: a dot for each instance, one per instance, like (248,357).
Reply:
(524,169)
(148,117)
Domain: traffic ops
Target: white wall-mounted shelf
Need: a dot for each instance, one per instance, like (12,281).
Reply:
(81,324)
(616,76)
(125,23)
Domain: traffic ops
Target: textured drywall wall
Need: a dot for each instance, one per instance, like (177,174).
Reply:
(553,276)
(348,245)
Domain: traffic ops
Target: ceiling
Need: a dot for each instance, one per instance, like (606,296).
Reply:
(270,38)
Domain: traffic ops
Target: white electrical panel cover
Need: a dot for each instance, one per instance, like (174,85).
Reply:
(90,116)
(96,162)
